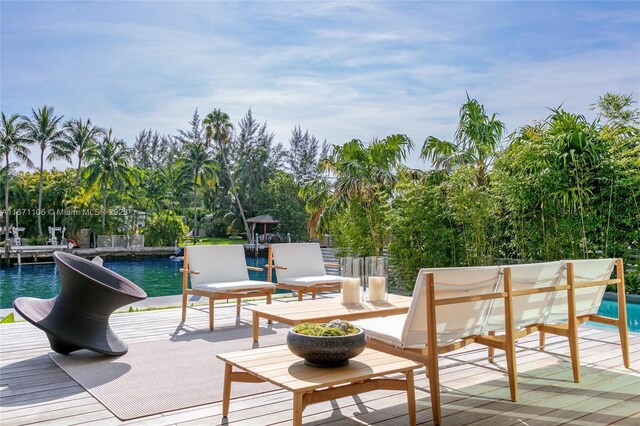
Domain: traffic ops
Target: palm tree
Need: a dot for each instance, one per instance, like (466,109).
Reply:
(108,167)
(475,142)
(197,163)
(79,137)
(12,142)
(361,176)
(218,128)
(42,129)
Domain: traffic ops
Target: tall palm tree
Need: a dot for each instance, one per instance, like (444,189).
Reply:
(475,142)
(358,175)
(42,129)
(196,162)
(108,167)
(218,128)
(79,137)
(12,142)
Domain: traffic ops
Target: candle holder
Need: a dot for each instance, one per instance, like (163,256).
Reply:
(377,273)
(351,272)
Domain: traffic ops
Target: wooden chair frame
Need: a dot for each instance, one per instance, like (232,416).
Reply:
(428,355)
(213,296)
(571,328)
(313,289)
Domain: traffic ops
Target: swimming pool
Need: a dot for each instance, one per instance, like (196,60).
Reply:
(609,308)
(158,277)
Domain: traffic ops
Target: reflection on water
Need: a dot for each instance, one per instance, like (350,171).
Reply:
(158,277)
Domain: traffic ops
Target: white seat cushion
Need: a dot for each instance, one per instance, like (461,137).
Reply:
(309,281)
(386,329)
(233,285)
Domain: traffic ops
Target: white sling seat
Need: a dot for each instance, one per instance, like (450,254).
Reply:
(300,267)
(219,272)
(448,311)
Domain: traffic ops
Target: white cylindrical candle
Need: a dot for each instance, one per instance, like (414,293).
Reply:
(350,291)
(377,289)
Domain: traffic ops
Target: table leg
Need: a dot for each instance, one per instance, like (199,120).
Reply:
(256,324)
(411,397)
(297,409)
(226,390)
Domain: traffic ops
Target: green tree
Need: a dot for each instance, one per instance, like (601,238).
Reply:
(617,109)
(475,142)
(79,137)
(108,167)
(218,128)
(197,163)
(42,129)
(359,181)
(12,142)
(280,198)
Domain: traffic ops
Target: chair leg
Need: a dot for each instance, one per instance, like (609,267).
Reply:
(299,296)
(541,340)
(238,307)
(575,355)
(313,295)
(184,306)
(491,351)
(431,370)
(211,303)
(268,303)
(512,368)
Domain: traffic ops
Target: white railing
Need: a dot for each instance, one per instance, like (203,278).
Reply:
(121,241)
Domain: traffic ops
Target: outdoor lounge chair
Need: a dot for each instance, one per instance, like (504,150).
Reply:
(219,272)
(300,267)
(449,311)
(589,279)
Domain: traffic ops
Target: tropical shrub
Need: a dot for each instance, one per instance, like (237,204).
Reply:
(164,229)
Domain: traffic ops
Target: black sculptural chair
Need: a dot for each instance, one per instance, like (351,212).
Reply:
(78,317)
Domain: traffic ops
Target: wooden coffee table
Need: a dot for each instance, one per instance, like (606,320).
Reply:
(277,365)
(324,310)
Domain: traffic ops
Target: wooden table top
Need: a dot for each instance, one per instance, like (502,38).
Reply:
(277,365)
(320,310)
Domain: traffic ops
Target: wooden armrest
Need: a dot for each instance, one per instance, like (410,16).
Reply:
(190,271)
(254,268)
(332,264)
(276,266)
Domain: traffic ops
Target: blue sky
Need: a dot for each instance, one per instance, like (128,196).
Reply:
(342,70)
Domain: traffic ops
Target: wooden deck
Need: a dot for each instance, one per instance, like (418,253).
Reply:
(33,390)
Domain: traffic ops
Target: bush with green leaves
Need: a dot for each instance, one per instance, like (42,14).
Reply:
(164,229)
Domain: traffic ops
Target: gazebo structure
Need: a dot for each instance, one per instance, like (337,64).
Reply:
(265,220)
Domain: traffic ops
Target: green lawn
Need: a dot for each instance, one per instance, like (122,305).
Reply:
(209,241)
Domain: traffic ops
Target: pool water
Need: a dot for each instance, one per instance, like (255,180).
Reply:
(158,277)
(609,308)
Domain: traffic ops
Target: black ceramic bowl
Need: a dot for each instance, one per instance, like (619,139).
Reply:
(326,351)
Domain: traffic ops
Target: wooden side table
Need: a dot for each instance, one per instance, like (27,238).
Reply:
(277,365)
(325,310)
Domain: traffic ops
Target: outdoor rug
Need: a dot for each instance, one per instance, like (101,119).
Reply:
(166,375)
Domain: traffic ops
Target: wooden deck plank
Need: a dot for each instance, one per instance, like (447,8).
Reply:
(473,390)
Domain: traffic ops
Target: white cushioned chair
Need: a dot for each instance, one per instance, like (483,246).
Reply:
(219,272)
(301,268)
